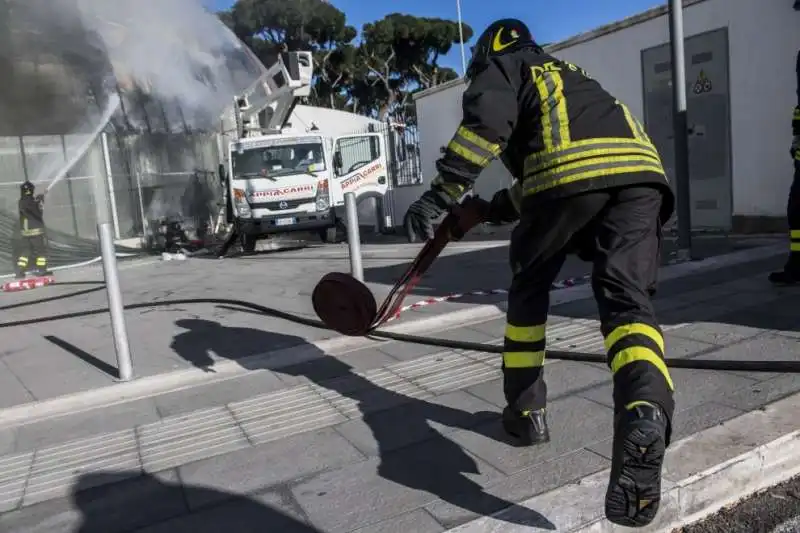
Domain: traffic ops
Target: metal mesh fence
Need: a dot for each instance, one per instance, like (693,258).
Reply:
(153,178)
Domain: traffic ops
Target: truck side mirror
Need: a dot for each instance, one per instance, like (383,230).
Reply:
(337,161)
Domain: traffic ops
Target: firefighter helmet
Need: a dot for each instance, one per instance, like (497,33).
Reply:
(27,188)
(501,37)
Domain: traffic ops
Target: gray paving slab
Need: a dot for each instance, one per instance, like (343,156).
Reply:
(521,486)
(254,469)
(8,441)
(16,469)
(273,416)
(104,502)
(254,514)
(717,333)
(340,500)
(56,470)
(217,393)
(418,521)
(765,347)
(53,431)
(332,367)
(14,392)
(574,423)
(190,437)
(760,394)
(49,372)
(415,421)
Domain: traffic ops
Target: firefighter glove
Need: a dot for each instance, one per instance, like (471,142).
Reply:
(418,222)
(502,209)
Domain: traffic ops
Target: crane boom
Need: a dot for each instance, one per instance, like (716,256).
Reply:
(266,106)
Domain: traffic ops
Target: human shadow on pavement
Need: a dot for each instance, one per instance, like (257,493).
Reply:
(110,503)
(201,338)
(412,452)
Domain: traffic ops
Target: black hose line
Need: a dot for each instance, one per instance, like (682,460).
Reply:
(788,367)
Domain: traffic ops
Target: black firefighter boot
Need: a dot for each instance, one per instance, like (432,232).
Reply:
(790,275)
(634,487)
(528,427)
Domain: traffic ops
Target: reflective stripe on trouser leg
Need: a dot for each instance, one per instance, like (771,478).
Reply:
(523,359)
(22,262)
(41,262)
(794,240)
(793,218)
(636,357)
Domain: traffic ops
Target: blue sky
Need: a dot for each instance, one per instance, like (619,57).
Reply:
(550,21)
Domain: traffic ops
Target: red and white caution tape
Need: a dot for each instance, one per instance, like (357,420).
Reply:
(563,284)
(27,284)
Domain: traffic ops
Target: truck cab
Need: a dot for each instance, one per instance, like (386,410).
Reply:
(296,183)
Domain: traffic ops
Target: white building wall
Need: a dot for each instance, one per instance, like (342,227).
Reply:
(763,42)
(764,38)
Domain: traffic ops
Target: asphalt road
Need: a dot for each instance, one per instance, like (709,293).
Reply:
(776,510)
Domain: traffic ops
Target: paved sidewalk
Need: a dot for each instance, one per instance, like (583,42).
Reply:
(43,360)
(393,437)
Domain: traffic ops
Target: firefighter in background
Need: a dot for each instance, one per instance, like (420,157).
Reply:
(592,183)
(791,270)
(31,245)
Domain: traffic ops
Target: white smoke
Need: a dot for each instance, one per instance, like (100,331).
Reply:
(170,60)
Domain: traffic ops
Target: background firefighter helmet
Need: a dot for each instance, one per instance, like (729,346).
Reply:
(26,189)
(500,37)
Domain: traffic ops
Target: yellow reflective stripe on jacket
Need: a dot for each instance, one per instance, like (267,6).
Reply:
(555,120)
(32,232)
(453,190)
(636,127)
(589,148)
(796,115)
(473,147)
(588,159)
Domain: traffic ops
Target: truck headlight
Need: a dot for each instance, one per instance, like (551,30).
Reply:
(241,204)
(323,200)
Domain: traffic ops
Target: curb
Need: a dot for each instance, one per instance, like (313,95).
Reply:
(148,386)
(702,474)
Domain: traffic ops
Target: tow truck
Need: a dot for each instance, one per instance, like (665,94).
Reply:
(281,181)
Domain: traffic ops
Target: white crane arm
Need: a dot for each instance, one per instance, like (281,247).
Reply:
(266,106)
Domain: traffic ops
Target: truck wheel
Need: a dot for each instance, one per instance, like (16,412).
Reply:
(329,235)
(248,243)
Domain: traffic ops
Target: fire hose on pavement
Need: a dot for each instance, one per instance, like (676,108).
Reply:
(347,306)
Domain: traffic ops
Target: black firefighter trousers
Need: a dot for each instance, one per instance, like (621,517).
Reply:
(31,250)
(620,232)
(793,217)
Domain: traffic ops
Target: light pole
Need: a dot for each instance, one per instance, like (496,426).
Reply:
(680,125)
(461,37)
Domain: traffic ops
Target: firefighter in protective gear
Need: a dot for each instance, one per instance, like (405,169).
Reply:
(31,246)
(590,182)
(791,270)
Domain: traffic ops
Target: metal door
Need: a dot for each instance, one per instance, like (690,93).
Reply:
(708,115)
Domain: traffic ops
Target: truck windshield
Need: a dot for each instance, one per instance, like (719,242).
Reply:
(276,161)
